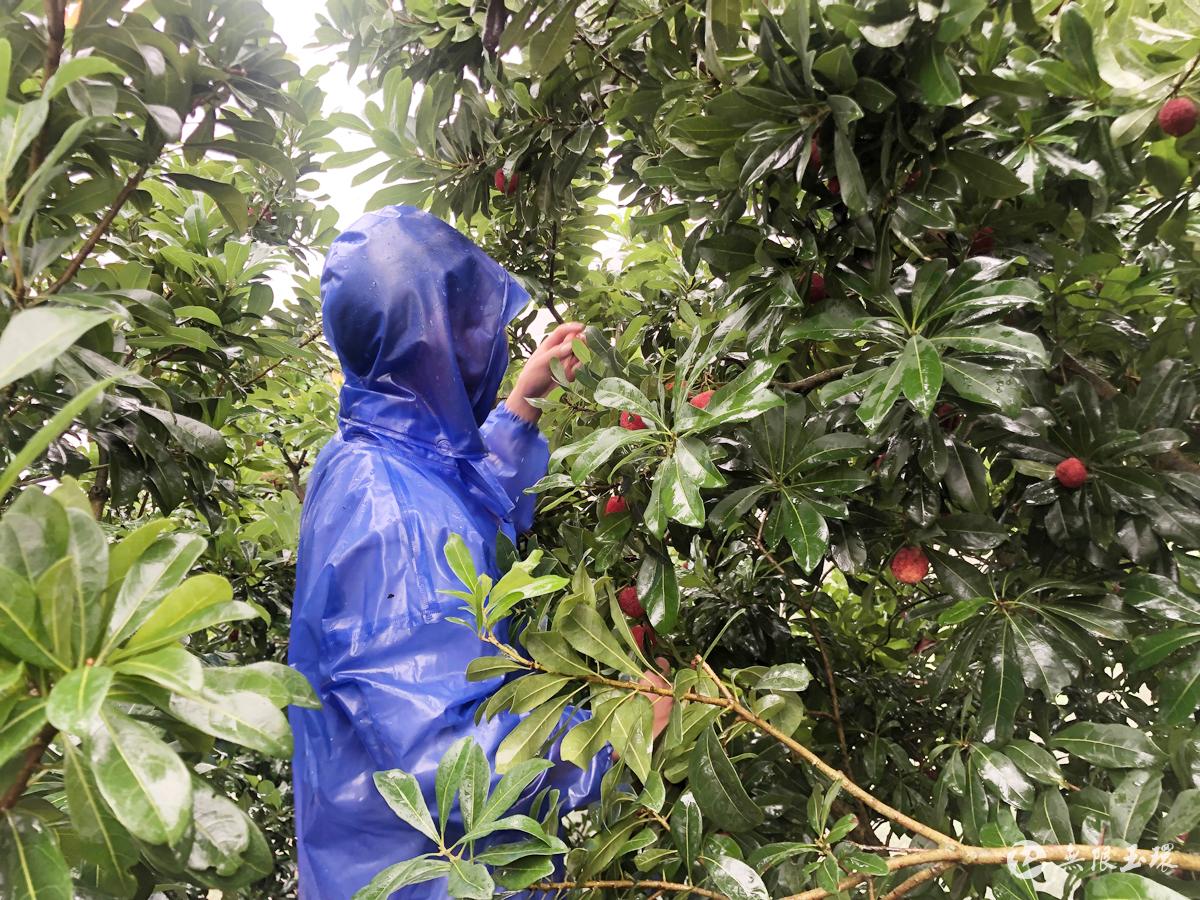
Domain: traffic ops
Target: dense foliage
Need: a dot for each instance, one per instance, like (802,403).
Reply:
(160,405)
(893,366)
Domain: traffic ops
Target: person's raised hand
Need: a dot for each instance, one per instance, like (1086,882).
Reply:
(536,379)
(660,704)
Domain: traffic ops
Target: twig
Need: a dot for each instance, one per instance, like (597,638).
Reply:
(810,621)
(804,385)
(99,493)
(626,883)
(550,277)
(98,232)
(308,339)
(56,31)
(33,756)
(916,881)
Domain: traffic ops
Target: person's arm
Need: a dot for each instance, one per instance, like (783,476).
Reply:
(517,451)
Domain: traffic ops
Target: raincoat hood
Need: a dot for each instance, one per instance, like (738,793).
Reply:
(416,313)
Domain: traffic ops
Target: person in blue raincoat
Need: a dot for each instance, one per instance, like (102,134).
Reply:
(417,316)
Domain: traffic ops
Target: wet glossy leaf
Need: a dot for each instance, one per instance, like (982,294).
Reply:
(717,787)
(735,879)
(1109,746)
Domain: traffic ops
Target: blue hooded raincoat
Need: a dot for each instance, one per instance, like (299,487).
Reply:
(416,314)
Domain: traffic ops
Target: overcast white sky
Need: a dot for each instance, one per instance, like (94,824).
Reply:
(295,22)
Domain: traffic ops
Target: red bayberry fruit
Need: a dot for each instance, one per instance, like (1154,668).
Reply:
(816,288)
(507,184)
(835,186)
(1071,473)
(632,421)
(910,565)
(627,599)
(644,637)
(913,179)
(983,241)
(615,505)
(948,416)
(924,644)
(701,400)
(259,442)
(814,158)
(1177,116)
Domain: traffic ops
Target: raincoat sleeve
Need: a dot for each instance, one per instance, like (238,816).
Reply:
(518,454)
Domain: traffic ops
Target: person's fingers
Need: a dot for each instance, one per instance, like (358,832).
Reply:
(564,333)
(664,664)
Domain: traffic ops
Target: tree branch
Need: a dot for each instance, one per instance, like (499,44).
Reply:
(56,32)
(908,885)
(33,756)
(98,232)
(308,339)
(804,385)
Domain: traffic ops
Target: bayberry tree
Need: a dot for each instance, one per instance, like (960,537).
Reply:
(886,439)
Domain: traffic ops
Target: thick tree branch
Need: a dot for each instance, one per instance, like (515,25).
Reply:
(97,233)
(33,756)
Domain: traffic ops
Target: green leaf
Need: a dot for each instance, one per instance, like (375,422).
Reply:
(1182,817)
(936,77)
(511,787)
(549,47)
(632,734)
(735,879)
(20,631)
(880,395)
(69,591)
(920,373)
(616,393)
(987,176)
(1133,802)
(589,634)
(403,874)
(849,173)
(983,384)
(549,649)
(36,337)
(1050,821)
(143,781)
(103,842)
(1162,598)
(459,558)
(995,340)
(999,772)
(785,677)
(1036,762)
(48,433)
(281,685)
(1128,886)
(25,720)
(1000,693)
(717,787)
(526,740)
(452,768)
(403,794)
(149,580)
(804,528)
(75,700)
(1179,690)
(1109,746)
(32,866)
(229,200)
(241,717)
(687,827)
